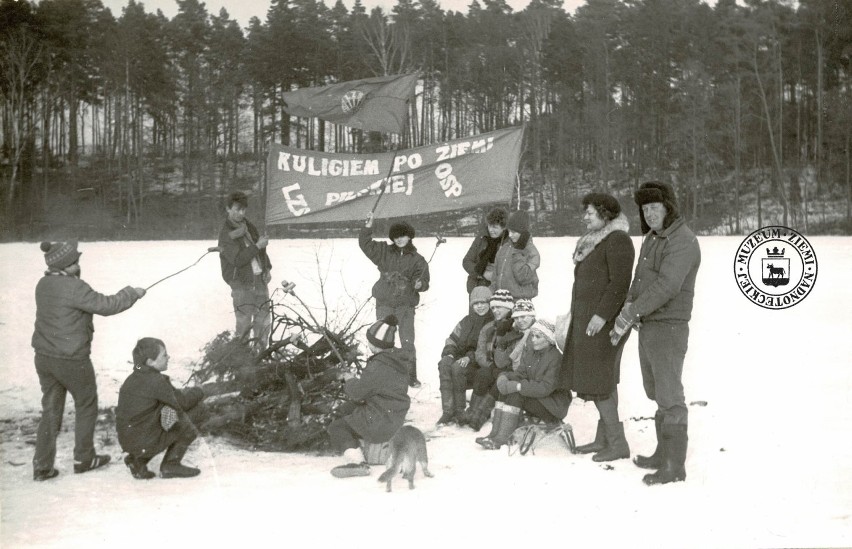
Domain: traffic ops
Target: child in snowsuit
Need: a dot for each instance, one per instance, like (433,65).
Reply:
(403,275)
(532,387)
(153,416)
(378,400)
(517,260)
(458,367)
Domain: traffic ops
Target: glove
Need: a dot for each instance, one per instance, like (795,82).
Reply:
(501,384)
(625,319)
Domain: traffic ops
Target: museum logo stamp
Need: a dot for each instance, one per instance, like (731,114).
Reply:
(775,267)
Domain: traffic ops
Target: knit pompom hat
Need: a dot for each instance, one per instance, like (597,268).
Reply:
(401,228)
(546,328)
(519,221)
(60,255)
(523,307)
(656,191)
(502,298)
(382,333)
(480,294)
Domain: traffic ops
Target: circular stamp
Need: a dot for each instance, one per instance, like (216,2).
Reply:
(775,267)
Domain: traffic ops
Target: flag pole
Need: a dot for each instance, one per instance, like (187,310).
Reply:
(395,151)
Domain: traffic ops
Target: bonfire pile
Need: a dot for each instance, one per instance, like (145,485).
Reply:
(283,397)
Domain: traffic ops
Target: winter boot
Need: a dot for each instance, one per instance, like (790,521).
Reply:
(655,460)
(138,467)
(598,444)
(674,456)
(480,414)
(496,420)
(445,380)
(459,390)
(510,417)
(464,418)
(447,418)
(171,467)
(616,444)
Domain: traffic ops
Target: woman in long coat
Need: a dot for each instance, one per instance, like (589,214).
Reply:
(603,261)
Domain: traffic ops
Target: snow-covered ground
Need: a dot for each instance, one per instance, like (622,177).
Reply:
(769,454)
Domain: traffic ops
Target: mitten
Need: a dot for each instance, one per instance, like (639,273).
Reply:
(501,384)
(503,327)
(168,417)
(625,319)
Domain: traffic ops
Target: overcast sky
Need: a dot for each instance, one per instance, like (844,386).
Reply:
(243,10)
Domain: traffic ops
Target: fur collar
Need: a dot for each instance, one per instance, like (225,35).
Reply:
(591,239)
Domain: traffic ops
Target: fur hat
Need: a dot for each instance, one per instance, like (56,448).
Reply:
(546,328)
(519,222)
(382,333)
(502,298)
(401,228)
(480,294)
(606,205)
(59,255)
(523,307)
(656,191)
(146,348)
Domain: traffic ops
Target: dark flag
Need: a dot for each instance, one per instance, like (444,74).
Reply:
(374,104)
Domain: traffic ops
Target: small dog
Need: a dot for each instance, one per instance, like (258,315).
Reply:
(407,448)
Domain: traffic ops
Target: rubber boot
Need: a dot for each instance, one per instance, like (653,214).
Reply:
(616,444)
(675,441)
(445,380)
(496,420)
(480,414)
(464,419)
(655,460)
(511,416)
(597,445)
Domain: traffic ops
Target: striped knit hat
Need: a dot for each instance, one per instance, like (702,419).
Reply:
(59,255)
(502,298)
(382,333)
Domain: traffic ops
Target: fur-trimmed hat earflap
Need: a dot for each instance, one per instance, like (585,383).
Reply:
(519,221)
(657,191)
(401,228)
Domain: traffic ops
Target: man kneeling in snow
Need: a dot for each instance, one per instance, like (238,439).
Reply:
(379,399)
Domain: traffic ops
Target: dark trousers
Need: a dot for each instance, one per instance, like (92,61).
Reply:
(662,348)
(532,406)
(179,438)
(405,315)
(58,377)
(485,381)
(342,436)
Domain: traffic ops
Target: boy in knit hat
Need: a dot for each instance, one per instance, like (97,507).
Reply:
(153,416)
(532,387)
(517,260)
(378,400)
(483,397)
(403,275)
(62,340)
(458,367)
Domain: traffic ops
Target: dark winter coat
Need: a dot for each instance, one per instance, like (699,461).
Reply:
(664,284)
(64,308)
(515,268)
(237,253)
(399,269)
(137,415)
(481,255)
(601,280)
(538,373)
(464,338)
(485,346)
(382,395)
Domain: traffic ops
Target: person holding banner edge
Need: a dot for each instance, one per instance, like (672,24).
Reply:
(404,273)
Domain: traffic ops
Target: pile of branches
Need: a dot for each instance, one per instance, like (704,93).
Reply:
(282,397)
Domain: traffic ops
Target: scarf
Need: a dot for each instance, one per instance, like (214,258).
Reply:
(591,239)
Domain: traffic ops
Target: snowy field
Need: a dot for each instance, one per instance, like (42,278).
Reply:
(769,436)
